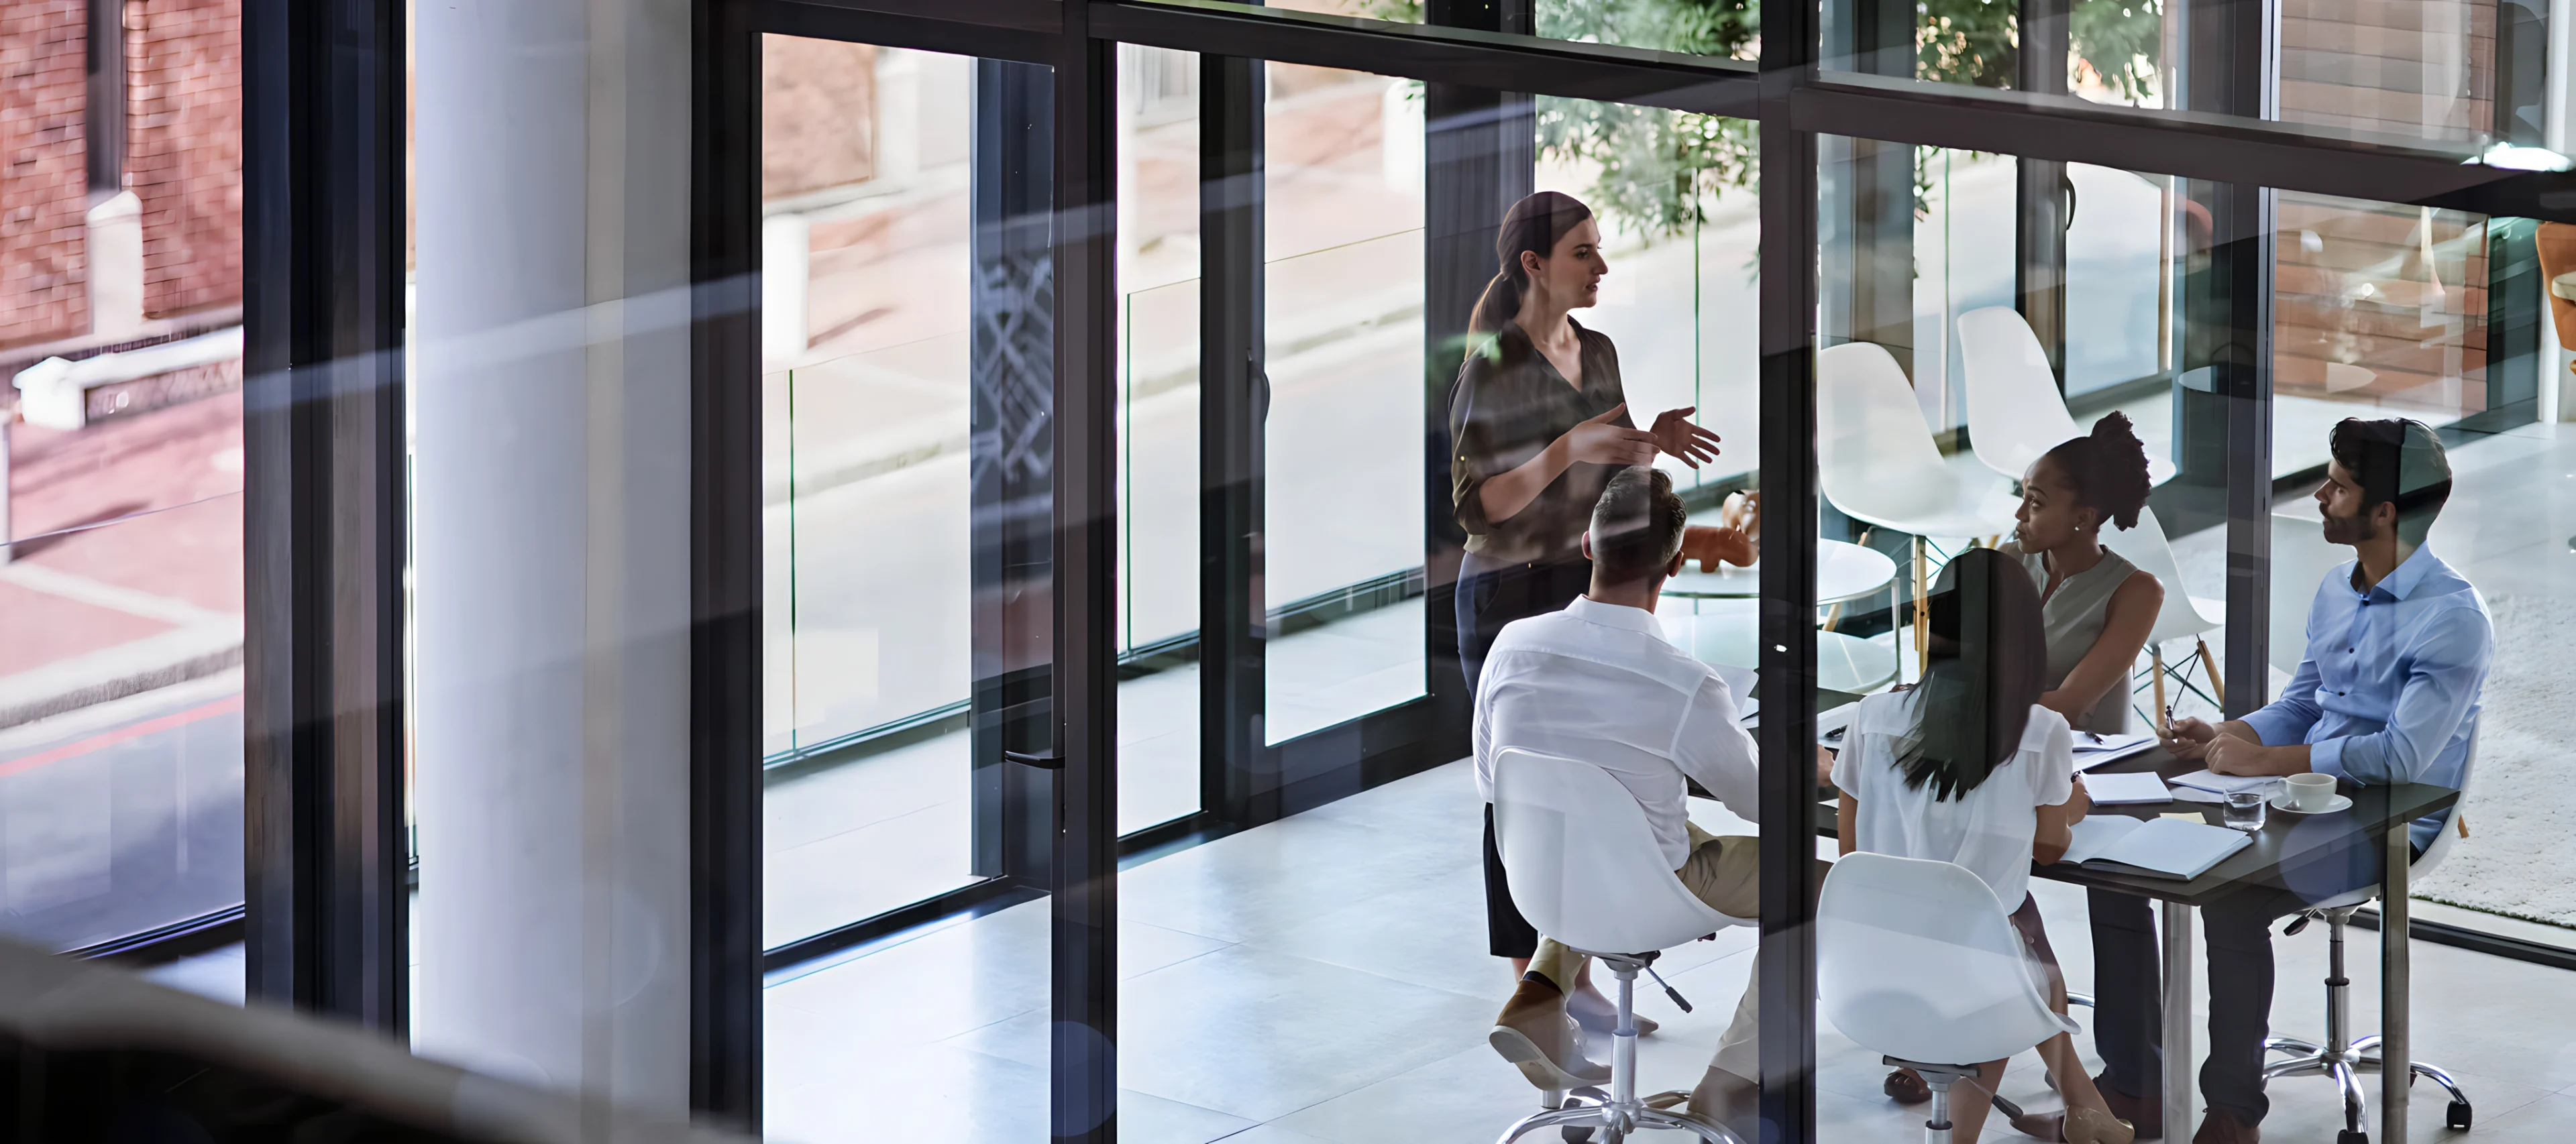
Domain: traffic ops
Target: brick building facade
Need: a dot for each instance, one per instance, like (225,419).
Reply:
(185,161)
(44,185)
(182,63)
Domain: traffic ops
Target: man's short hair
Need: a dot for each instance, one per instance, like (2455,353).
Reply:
(1637,525)
(2397,460)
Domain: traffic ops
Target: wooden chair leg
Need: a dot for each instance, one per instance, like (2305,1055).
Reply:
(2156,657)
(1922,615)
(2209,663)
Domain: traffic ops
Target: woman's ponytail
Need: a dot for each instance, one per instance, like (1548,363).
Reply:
(1501,300)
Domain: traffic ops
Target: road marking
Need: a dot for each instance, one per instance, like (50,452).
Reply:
(102,741)
(72,586)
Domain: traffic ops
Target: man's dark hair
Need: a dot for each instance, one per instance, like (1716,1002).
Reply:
(1637,525)
(2398,461)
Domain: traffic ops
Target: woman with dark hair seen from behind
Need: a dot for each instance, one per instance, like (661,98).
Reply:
(1538,424)
(1968,767)
(2098,608)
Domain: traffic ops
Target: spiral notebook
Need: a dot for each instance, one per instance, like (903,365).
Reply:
(2159,847)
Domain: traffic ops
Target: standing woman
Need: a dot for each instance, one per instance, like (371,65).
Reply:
(1538,424)
(2098,608)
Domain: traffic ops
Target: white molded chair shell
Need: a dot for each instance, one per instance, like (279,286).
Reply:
(1915,959)
(2015,411)
(2146,546)
(1582,861)
(2434,851)
(1876,461)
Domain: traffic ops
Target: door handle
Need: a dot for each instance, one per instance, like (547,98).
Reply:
(1046,760)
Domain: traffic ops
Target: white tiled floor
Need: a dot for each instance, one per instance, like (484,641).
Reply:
(902,818)
(1323,978)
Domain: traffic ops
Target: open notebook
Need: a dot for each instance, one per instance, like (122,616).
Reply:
(2162,847)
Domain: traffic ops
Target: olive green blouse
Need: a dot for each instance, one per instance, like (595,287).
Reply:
(1509,403)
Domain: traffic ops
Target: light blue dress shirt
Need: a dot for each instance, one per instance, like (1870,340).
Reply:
(2388,692)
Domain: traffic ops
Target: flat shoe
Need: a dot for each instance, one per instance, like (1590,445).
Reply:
(2074,1126)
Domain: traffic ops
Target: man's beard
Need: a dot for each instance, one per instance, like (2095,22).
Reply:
(2354,529)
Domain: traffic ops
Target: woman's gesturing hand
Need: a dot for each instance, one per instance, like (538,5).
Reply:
(1600,442)
(1674,434)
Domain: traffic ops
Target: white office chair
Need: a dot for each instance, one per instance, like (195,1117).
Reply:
(1584,869)
(2183,616)
(1876,461)
(2015,411)
(1917,961)
(2340,1056)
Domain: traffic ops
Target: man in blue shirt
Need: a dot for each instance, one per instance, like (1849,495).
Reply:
(2398,647)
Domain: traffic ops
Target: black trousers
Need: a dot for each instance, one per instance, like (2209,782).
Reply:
(2128,1015)
(1490,595)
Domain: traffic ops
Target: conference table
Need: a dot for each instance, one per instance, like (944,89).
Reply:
(1729,633)
(2378,813)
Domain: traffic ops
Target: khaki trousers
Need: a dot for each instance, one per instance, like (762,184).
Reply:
(1724,871)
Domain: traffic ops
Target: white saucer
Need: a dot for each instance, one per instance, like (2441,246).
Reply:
(2281,802)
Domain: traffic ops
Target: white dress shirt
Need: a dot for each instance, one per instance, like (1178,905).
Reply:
(1600,683)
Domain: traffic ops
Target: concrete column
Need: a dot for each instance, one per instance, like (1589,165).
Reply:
(551,479)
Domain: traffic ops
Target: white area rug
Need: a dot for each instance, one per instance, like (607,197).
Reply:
(2520,856)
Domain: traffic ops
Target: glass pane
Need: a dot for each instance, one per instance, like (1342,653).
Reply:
(121,587)
(1727,29)
(903,285)
(1343,288)
(120,653)
(2415,368)
(1232,1019)
(2449,75)
(1158,446)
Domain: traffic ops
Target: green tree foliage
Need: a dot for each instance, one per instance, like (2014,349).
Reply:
(1660,170)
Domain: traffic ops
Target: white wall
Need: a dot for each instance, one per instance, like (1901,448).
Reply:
(551,538)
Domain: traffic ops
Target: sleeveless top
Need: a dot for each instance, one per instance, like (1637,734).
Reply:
(2073,619)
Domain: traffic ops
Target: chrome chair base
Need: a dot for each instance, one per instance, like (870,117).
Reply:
(1583,1113)
(2346,1058)
(1587,1111)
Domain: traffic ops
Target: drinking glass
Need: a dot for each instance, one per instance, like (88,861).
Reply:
(2245,810)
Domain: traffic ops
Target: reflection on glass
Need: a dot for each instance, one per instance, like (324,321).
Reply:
(1726,29)
(2469,77)
(2379,312)
(1158,444)
(120,645)
(865,334)
(898,286)
(1343,285)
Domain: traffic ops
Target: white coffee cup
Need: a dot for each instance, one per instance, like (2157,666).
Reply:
(2309,792)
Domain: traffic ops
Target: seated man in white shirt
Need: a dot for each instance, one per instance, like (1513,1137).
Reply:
(1598,682)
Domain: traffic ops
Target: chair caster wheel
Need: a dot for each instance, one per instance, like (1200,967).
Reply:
(1575,1135)
(2458,1117)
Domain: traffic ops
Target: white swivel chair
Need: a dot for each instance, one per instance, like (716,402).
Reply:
(2183,617)
(2015,411)
(1584,869)
(1876,461)
(1917,961)
(2342,1056)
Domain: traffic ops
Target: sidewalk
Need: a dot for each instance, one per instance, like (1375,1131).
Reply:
(148,590)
